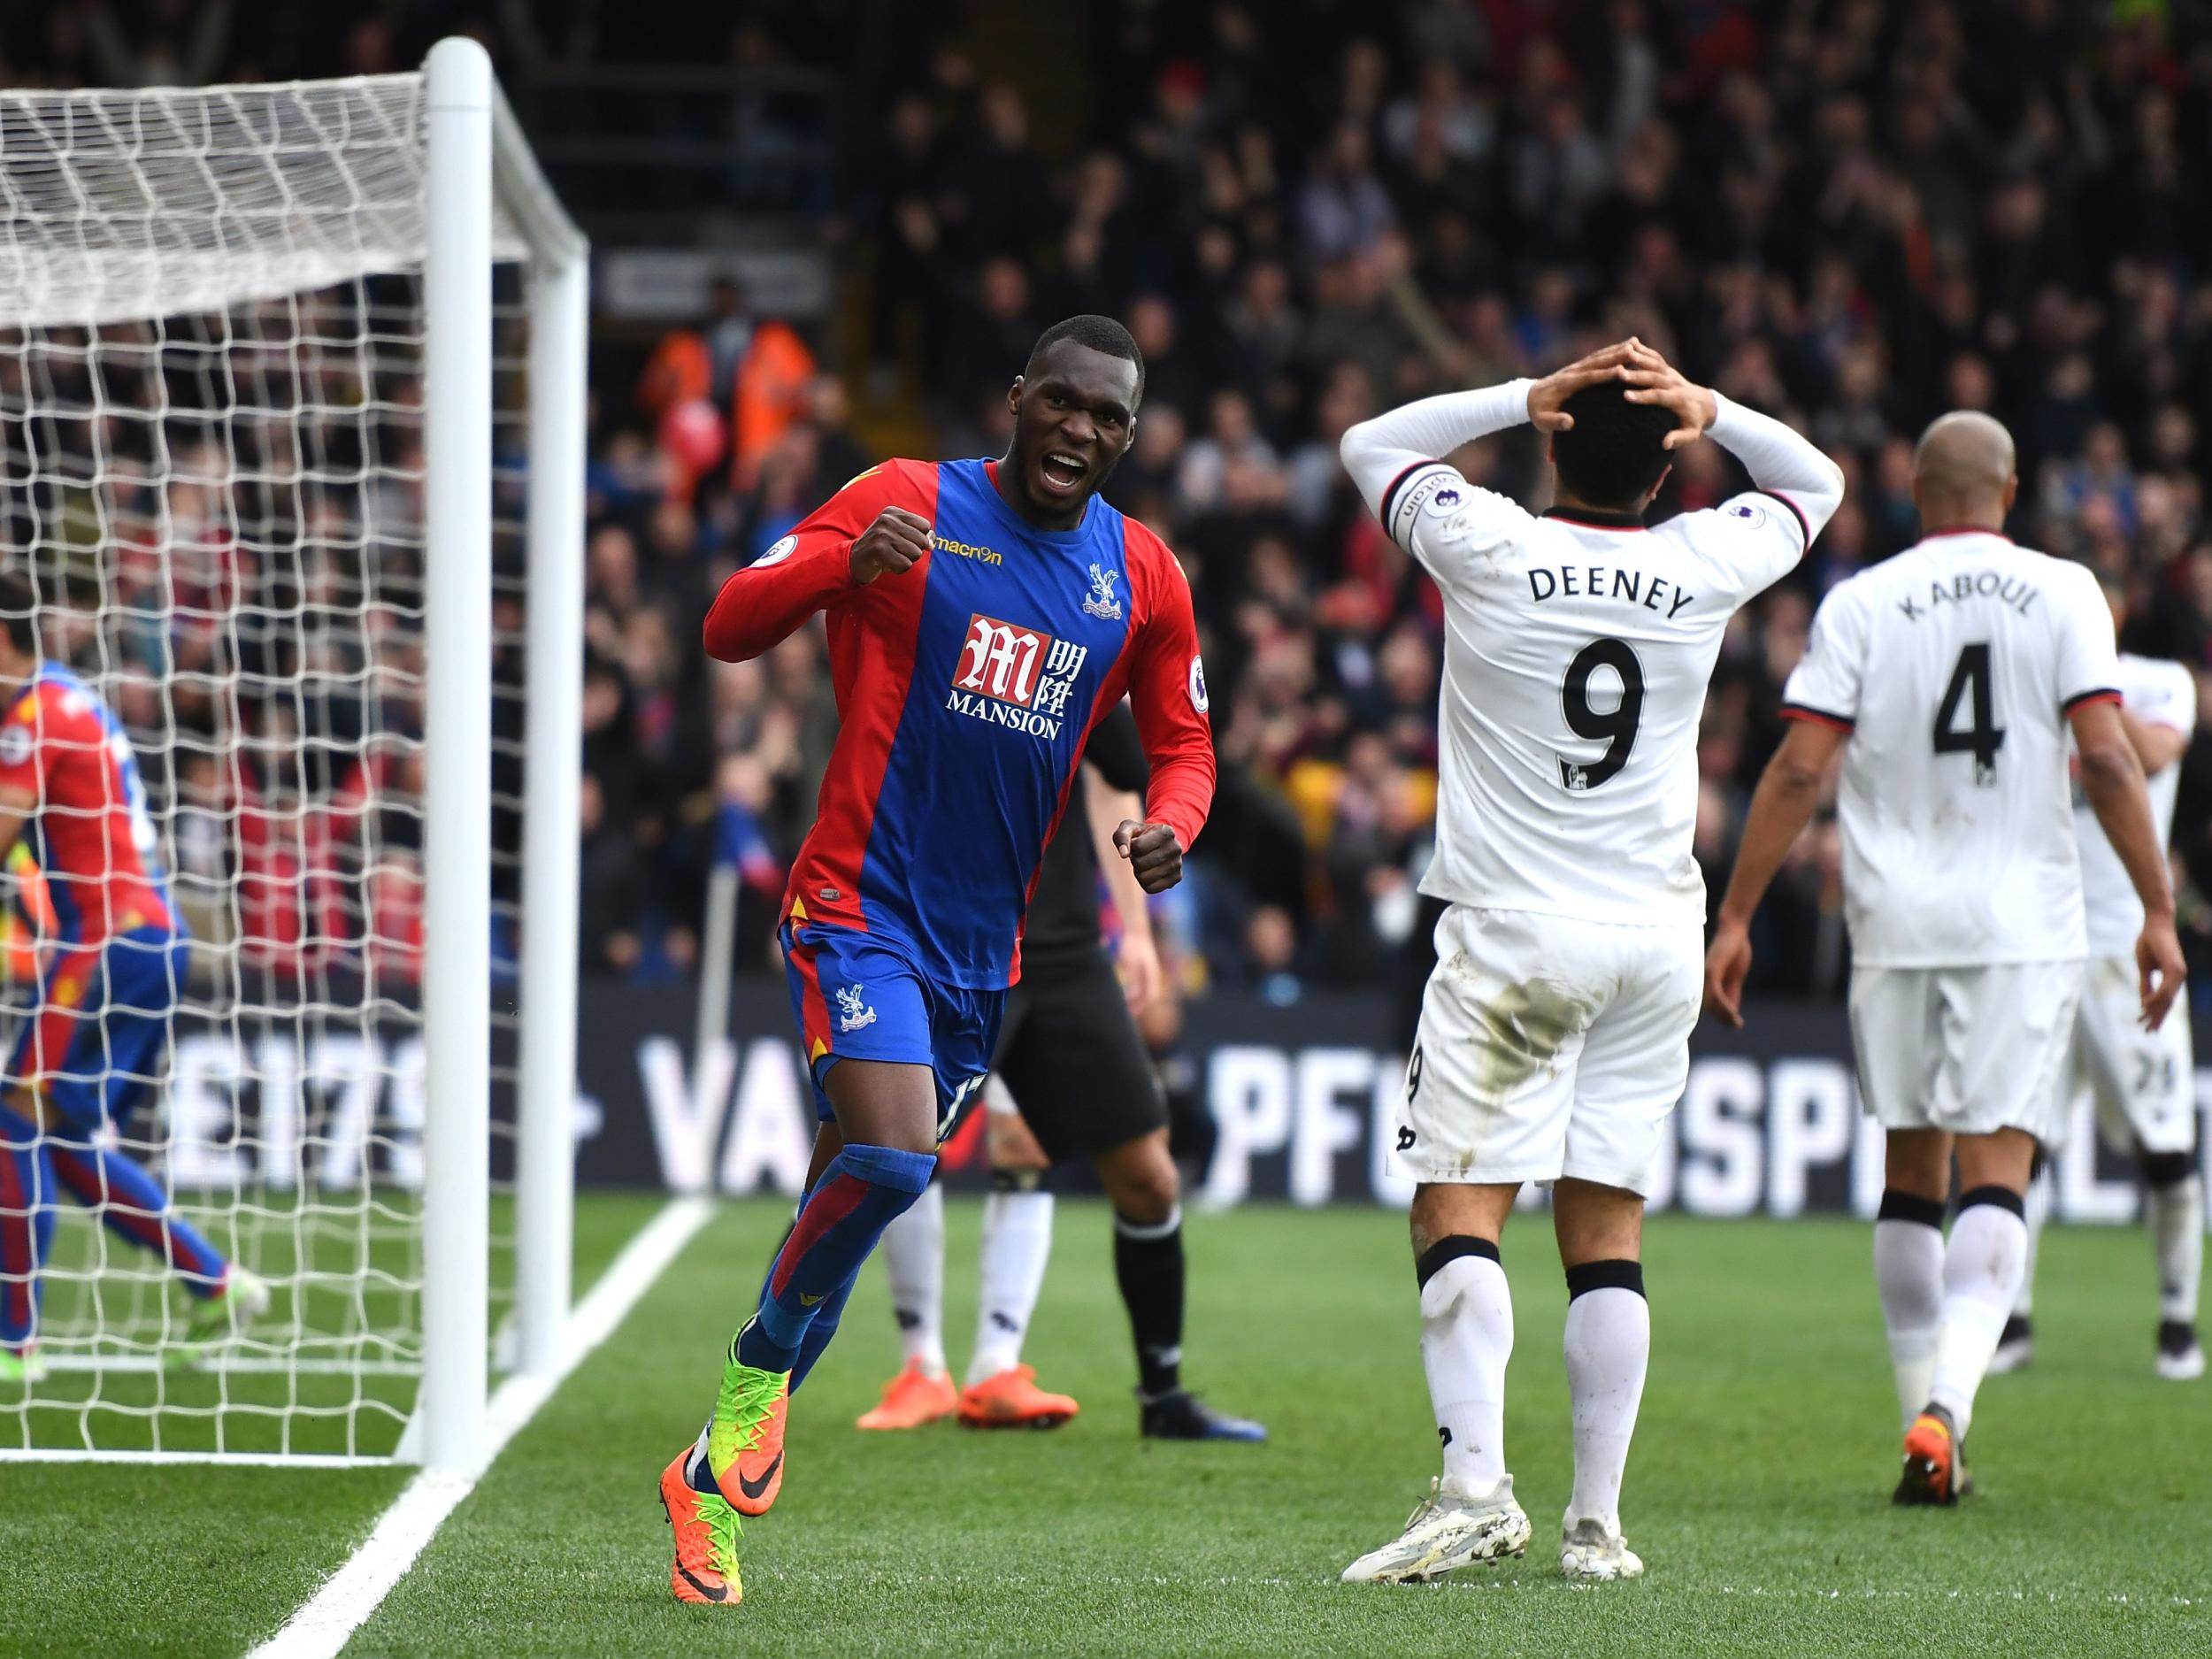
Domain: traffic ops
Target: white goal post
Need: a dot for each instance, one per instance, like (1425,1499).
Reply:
(292,450)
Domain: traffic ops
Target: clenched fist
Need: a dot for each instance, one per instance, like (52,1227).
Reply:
(889,545)
(1153,852)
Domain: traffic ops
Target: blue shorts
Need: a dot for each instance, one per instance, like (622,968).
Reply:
(96,1043)
(860,997)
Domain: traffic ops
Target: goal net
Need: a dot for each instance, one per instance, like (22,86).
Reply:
(300,538)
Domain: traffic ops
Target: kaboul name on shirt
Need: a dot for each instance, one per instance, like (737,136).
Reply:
(2015,592)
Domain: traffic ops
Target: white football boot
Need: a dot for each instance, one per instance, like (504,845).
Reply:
(1590,1549)
(1448,1531)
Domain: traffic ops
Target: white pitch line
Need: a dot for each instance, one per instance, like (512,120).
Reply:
(205,1460)
(269,1365)
(325,1624)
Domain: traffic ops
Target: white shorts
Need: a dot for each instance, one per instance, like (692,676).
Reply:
(1970,1050)
(1549,1046)
(2144,1082)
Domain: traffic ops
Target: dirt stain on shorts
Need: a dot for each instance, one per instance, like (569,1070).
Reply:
(1519,1029)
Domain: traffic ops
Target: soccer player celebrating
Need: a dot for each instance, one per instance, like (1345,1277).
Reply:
(2143,1082)
(1952,673)
(982,616)
(1553,1036)
(1072,1068)
(109,984)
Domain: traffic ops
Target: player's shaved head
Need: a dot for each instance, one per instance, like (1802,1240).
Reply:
(1100,334)
(1963,474)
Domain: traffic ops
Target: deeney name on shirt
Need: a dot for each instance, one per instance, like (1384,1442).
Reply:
(1601,581)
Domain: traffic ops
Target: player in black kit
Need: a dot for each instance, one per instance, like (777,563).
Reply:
(1071,1064)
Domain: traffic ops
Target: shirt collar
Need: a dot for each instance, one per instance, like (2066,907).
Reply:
(1596,519)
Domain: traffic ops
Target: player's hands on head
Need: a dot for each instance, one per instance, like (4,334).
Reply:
(2159,960)
(1608,364)
(1653,380)
(1727,965)
(889,545)
(1153,852)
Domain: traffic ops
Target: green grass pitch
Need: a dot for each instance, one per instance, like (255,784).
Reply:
(1757,1492)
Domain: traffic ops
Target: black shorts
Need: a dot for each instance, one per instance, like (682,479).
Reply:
(1070,1055)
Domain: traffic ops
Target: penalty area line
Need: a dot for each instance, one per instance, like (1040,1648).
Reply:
(327,1622)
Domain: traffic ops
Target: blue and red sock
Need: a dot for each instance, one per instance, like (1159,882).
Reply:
(826,1318)
(863,1189)
(26,1227)
(35,1170)
(820,1328)
(130,1203)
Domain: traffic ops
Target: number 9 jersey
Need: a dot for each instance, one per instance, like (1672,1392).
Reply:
(1553,1038)
(1953,665)
(1577,647)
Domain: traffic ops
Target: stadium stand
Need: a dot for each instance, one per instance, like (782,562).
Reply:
(1304,214)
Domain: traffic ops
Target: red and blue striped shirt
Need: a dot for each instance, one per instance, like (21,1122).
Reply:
(965,689)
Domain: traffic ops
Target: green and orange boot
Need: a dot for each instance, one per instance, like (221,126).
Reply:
(745,1435)
(707,1530)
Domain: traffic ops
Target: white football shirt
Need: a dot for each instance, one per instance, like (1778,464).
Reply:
(2157,693)
(1577,652)
(1953,666)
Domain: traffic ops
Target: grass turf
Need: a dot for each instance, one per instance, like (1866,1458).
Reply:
(1756,1493)
(330,1368)
(195,1560)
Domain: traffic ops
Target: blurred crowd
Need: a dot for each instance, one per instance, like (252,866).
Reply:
(222,517)
(1853,216)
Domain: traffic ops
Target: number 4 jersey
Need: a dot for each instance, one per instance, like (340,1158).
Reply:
(1954,667)
(1578,647)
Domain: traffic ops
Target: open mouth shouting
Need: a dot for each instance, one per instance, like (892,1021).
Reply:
(1062,472)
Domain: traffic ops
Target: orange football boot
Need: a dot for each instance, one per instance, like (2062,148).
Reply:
(706,1531)
(912,1398)
(1011,1400)
(1934,1472)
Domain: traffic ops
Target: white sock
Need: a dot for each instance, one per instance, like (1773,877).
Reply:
(1981,1275)
(2177,1218)
(1466,1338)
(2037,1204)
(913,1249)
(1909,1275)
(1608,1347)
(1017,1244)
